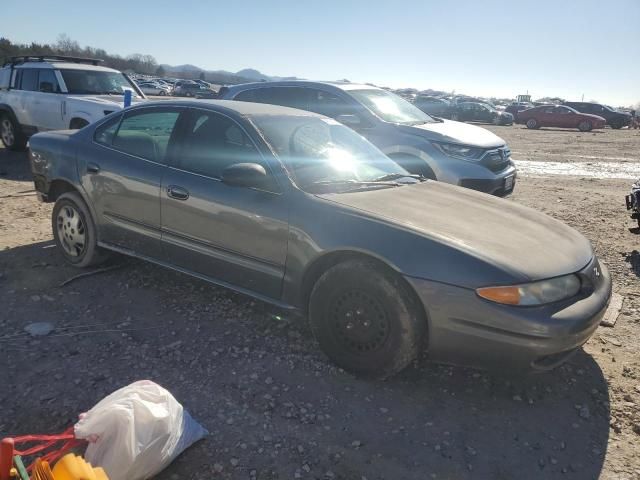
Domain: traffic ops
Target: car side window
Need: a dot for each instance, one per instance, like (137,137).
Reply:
(47,81)
(29,79)
(562,110)
(146,133)
(548,110)
(105,133)
(5,78)
(246,96)
(328,104)
(213,142)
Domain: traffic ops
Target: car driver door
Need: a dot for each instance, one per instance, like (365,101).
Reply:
(565,117)
(234,235)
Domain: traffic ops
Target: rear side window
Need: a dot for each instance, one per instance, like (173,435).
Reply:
(146,134)
(47,82)
(328,104)
(105,133)
(5,78)
(29,79)
(294,97)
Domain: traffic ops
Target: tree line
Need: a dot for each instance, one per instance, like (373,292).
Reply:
(136,62)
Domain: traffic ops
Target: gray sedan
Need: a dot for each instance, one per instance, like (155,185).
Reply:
(298,210)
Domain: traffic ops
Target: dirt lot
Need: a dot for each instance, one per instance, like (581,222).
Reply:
(275,408)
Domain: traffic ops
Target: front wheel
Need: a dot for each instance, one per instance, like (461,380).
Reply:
(532,123)
(365,319)
(455,117)
(585,126)
(11,135)
(74,231)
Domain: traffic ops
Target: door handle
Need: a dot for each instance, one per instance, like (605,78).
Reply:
(176,192)
(93,168)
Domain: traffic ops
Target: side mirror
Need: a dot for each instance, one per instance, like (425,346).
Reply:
(349,120)
(248,175)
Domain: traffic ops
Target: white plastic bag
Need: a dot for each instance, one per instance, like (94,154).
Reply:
(137,431)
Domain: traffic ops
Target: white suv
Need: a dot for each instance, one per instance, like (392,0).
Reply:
(40,93)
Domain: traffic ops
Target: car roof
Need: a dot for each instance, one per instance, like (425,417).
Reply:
(66,66)
(245,109)
(303,83)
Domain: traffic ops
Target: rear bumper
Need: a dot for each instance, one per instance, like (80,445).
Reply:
(467,330)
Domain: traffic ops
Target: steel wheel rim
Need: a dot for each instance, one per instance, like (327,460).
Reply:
(359,322)
(72,231)
(8,137)
(531,123)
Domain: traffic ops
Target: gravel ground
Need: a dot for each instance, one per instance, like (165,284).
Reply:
(274,406)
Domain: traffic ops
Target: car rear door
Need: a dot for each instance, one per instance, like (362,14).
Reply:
(565,117)
(121,171)
(237,236)
(548,117)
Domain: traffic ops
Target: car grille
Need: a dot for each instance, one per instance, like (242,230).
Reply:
(497,160)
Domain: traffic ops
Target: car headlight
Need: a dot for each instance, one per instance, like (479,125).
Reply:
(462,152)
(535,293)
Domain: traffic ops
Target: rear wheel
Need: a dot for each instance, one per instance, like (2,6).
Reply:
(74,231)
(365,319)
(585,126)
(11,135)
(532,123)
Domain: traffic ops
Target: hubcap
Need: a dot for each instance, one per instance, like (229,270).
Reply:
(359,321)
(71,231)
(6,131)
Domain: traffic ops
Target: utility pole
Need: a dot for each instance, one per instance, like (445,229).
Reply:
(582,97)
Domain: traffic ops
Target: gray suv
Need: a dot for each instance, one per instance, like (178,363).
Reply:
(438,149)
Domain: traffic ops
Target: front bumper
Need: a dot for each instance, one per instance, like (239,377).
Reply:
(467,330)
(475,175)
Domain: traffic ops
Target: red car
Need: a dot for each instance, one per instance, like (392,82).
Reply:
(559,116)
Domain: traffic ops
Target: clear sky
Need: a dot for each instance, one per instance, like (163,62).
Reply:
(479,47)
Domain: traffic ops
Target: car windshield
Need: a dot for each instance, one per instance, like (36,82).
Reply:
(92,82)
(320,152)
(390,107)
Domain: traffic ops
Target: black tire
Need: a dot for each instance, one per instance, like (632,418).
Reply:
(455,117)
(70,221)
(365,319)
(617,124)
(11,134)
(585,126)
(162,93)
(532,123)
(77,123)
(414,165)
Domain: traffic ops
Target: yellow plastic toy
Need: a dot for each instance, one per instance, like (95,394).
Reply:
(72,467)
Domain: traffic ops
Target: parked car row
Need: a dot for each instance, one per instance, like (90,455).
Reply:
(537,114)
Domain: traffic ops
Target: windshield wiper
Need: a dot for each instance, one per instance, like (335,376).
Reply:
(353,183)
(396,176)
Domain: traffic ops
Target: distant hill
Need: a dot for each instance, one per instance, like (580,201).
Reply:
(220,77)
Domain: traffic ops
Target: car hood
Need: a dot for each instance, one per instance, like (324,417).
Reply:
(522,242)
(455,132)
